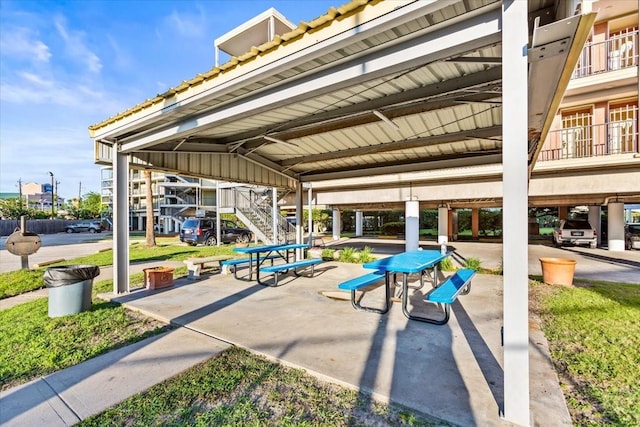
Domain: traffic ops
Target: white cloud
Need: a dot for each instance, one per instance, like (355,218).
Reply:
(23,43)
(75,46)
(191,25)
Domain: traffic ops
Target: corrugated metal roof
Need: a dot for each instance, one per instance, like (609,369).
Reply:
(377,87)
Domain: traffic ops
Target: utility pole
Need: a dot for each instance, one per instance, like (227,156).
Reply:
(56,193)
(53,209)
(20,193)
(79,195)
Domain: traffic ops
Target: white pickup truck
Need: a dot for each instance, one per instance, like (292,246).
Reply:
(575,232)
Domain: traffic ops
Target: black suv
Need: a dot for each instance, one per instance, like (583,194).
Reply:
(203,230)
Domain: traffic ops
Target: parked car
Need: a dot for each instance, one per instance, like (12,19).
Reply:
(203,230)
(90,226)
(575,232)
(632,236)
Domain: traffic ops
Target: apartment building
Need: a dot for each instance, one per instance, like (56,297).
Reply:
(174,197)
(599,113)
(595,131)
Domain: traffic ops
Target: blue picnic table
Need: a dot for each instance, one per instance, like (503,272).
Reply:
(264,252)
(406,263)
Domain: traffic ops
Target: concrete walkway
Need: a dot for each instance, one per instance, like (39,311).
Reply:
(453,372)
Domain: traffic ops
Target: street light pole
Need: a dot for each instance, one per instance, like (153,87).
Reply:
(53,206)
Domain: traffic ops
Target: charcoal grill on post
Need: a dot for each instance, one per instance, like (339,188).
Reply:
(23,243)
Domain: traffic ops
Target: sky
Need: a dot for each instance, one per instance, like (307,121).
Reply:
(66,65)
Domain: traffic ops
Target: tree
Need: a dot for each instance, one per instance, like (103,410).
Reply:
(88,208)
(150,230)
(92,204)
(14,209)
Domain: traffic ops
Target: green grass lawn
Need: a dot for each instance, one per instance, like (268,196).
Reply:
(239,388)
(33,345)
(593,330)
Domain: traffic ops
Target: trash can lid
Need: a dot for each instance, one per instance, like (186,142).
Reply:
(69,274)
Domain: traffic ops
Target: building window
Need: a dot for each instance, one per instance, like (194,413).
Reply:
(576,134)
(623,119)
(623,49)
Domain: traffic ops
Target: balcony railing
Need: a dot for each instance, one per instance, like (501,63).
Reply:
(589,141)
(617,52)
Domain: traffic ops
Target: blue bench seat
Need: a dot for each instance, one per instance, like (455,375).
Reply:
(276,269)
(242,261)
(362,282)
(448,291)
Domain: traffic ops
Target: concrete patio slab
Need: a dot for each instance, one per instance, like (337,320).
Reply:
(452,372)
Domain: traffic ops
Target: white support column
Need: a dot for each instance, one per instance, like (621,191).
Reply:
(359,219)
(218,223)
(299,218)
(120,222)
(336,224)
(594,220)
(454,224)
(412,225)
(310,214)
(515,222)
(274,215)
(615,230)
(443,227)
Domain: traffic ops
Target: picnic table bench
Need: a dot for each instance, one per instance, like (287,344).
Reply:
(195,265)
(235,262)
(276,269)
(447,292)
(362,282)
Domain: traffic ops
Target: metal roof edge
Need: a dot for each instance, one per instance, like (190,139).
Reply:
(304,28)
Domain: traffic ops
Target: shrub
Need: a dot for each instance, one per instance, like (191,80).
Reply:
(391,228)
(447,265)
(327,254)
(348,255)
(472,263)
(366,255)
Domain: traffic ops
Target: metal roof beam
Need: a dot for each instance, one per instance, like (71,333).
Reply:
(405,144)
(449,89)
(420,165)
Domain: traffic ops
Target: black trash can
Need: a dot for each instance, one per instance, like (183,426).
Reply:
(69,288)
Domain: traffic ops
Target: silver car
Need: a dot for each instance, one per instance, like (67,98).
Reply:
(575,232)
(90,226)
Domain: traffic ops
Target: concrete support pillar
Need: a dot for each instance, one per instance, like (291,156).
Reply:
(616,226)
(299,217)
(515,178)
(336,224)
(594,220)
(218,222)
(274,215)
(475,223)
(359,221)
(120,222)
(563,212)
(412,225)
(310,214)
(443,226)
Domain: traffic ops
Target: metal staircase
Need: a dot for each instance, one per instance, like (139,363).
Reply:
(255,210)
